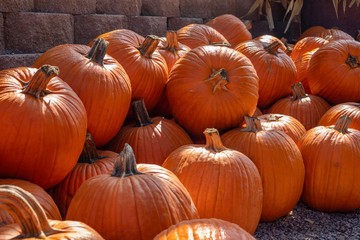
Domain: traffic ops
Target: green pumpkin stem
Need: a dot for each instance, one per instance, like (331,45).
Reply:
(219,79)
(90,153)
(141,113)
(353,61)
(342,124)
(213,140)
(253,124)
(273,47)
(37,85)
(98,51)
(149,45)
(298,91)
(125,163)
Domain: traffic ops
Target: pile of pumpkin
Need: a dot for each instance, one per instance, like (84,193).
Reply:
(200,134)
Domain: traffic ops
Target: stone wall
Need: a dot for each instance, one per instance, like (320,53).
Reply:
(30,27)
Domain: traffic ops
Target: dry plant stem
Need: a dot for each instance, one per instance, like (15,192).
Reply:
(273,47)
(218,79)
(98,51)
(171,41)
(353,61)
(213,140)
(141,113)
(342,124)
(298,91)
(125,163)
(149,45)
(253,124)
(89,153)
(37,85)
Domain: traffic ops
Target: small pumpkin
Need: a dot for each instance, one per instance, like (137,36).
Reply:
(350,109)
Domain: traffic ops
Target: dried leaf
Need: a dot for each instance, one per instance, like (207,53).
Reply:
(295,11)
(336,5)
(290,7)
(344,6)
(285,3)
(253,7)
(269,15)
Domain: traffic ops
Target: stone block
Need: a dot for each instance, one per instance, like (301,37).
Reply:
(66,6)
(16,5)
(2,37)
(17,60)
(177,23)
(28,32)
(88,27)
(219,7)
(197,9)
(164,8)
(122,7)
(145,25)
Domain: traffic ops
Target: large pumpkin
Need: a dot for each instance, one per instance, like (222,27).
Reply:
(350,109)
(42,128)
(98,79)
(332,167)
(279,162)
(31,221)
(134,202)
(334,72)
(212,86)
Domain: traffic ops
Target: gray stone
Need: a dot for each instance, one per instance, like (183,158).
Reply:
(123,7)
(2,37)
(16,5)
(17,60)
(145,25)
(88,27)
(28,32)
(161,8)
(66,6)
(177,23)
(197,9)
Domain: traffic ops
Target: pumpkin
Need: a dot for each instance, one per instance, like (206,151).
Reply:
(350,109)
(301,65)
(306,108)
(314,31)
(290,125)
(142,62)
(222,182)
(134,202)
(31,221)
(204,229)
(275,69)
(231,27)
(266,40)
(217,83)
(278,160)
(45,200)
(331,156)
(153,138)
(306,45)
(98,79)
(195,35)
(334,34)
(92,162)
(43,125)
(334,72)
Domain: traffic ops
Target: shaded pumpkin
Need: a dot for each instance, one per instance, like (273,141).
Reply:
(134,202)
(301,65)
(306,45)
(334,72)
(279,162)
(306,108)
(222,182)
(331,156)
(43,125)
(204,229)
(350,109)
(98,79)
(153,138)
(92,162)
(31,220)
(212,86)
(314,31)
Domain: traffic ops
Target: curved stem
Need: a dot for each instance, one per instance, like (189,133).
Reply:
(142,115)
(253,124)
(273,47)
(221,44)
(90,153)
(342,124)
(273,118)
(172,43)
(213,140)
(219,79)
(353,61)
(125,163)
(149,45)
(98,51)
(38,83)
(298,91)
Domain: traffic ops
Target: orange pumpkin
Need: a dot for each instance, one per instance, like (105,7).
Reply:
(266,40)
(222,182)
(306,45)
(43,125)
(279,162)
(302,64)
(350,109)
(314,31)
(212,86)
(204,229)
(332,167)
(31,221)
(98,79)
(134,202)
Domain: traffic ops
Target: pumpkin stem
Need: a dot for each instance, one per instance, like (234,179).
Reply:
(141,113)
(125,163)
(149,45)
(38,83)
(218,79)
(273,118)
(26,211)
(90,153)
(353,61)
(172,43)
(98,51)
(273,47)
(342,124)
(253,124)
(220,44)
(213,140)
(298,91)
